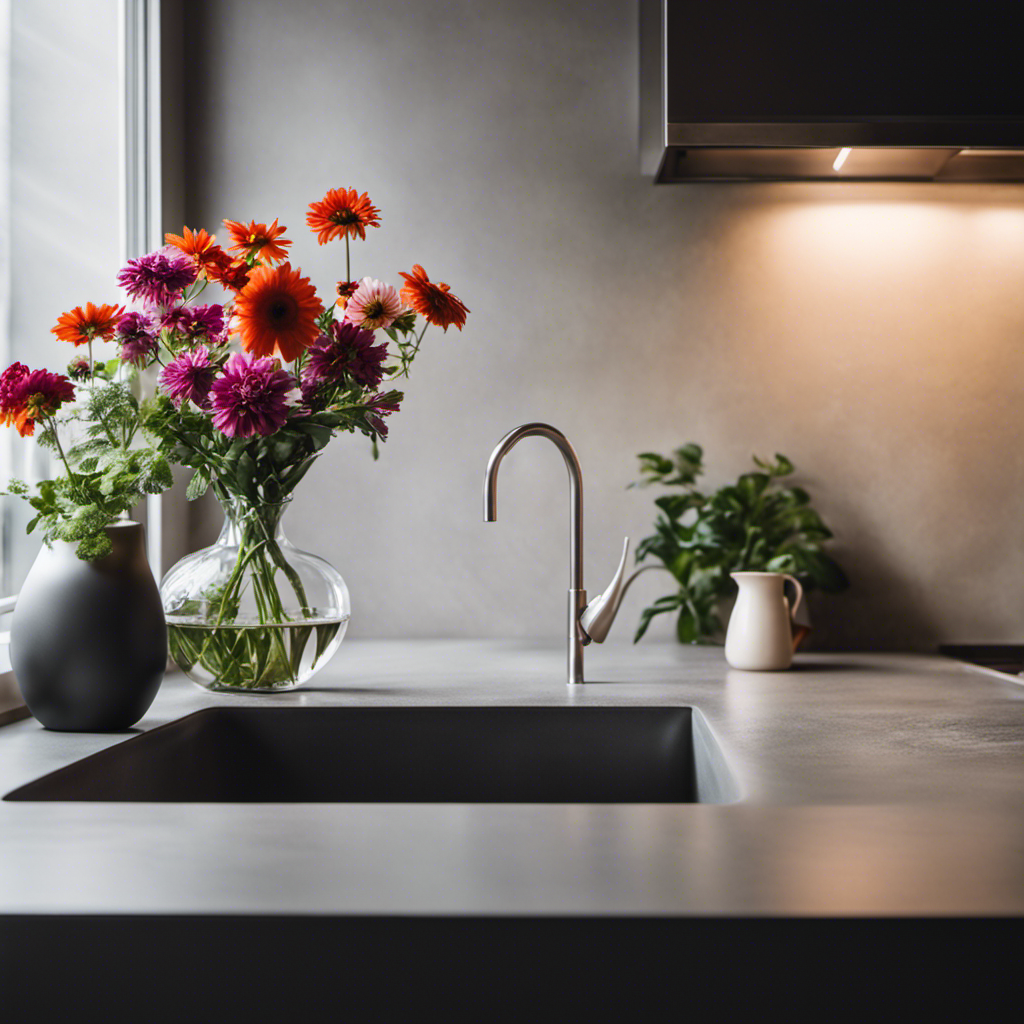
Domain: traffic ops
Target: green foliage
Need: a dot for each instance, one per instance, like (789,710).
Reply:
(261,470)
(108,472)
(758,523)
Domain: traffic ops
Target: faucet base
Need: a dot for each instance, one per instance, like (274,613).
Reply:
(578,639)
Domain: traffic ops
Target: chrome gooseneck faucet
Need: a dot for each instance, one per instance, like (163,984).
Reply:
(586,622)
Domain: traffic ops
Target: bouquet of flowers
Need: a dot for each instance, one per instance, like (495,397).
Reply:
(249,391)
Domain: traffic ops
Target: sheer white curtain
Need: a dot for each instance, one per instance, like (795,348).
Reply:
(61,205)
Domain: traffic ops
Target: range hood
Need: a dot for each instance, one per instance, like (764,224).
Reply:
(770,91)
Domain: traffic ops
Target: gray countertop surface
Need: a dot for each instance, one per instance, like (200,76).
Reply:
(870,784)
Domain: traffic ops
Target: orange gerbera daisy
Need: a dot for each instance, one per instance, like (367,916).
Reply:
(197,244)
(276,312)
(343,211)
(81,326)
(434,302)
(254,239)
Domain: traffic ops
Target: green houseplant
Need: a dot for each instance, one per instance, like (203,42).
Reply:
(757,523)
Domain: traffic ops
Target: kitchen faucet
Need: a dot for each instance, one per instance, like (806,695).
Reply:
(587,622)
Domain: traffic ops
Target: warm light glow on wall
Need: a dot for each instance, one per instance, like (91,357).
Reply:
(841,159)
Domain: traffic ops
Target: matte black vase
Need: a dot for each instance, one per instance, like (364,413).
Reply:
(88,639)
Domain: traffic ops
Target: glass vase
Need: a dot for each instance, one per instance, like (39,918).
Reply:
(252,613)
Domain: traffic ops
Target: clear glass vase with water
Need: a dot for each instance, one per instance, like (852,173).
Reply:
(252,612)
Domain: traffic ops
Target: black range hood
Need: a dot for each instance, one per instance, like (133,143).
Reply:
(831,91)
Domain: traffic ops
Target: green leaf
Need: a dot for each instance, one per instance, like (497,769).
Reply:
(198,485)
(96,545)
(664,604)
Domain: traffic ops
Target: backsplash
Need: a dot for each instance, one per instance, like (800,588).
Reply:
(873,333)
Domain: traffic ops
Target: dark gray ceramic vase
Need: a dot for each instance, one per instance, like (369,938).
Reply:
(88,639)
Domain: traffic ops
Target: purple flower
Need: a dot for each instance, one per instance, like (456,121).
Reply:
(157,278)
(206,322)
(252,396)
(10,384)
(382,404)
(188,378)
(175,319)
(345,350)
(136,335)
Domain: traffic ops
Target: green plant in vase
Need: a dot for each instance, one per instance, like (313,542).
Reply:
(758,523)
(108,466)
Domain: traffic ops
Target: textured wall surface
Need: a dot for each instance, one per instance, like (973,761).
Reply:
(871,332)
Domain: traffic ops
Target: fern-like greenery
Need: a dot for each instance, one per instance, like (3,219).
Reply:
(108,472)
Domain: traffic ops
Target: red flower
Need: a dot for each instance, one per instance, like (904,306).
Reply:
(81,326)
(343,211)
(199,245)
(434,302)
(346,289)
(254,239)
(29,395)
(233,274)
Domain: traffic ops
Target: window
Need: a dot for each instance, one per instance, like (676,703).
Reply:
(76,192)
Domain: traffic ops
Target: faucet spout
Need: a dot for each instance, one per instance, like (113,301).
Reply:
(572,464)
(577,637)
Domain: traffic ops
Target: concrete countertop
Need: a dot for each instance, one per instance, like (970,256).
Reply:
(871,784)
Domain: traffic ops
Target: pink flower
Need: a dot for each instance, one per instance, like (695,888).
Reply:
(373,304)
(252,396)
(189,377)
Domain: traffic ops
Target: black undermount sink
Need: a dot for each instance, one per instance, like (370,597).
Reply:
(407,755)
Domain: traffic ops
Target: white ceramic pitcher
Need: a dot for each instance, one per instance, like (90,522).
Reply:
(762,634)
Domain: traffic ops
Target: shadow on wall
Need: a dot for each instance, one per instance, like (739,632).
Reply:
(882,610)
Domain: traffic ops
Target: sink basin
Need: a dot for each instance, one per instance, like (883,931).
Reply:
(407,755)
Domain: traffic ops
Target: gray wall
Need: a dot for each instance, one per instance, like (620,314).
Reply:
(871,332)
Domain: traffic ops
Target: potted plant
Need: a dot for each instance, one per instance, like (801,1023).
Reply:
(757,523)
(88,640)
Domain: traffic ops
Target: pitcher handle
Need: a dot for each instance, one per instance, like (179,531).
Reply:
(799,632)
(799,593)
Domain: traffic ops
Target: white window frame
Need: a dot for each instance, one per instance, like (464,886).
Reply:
(141,179)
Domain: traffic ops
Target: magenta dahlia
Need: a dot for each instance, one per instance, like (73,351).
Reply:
(136,335)
(157,278)
(346,350)
(175,319)
(188,378)
(206,322)
(252,396)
